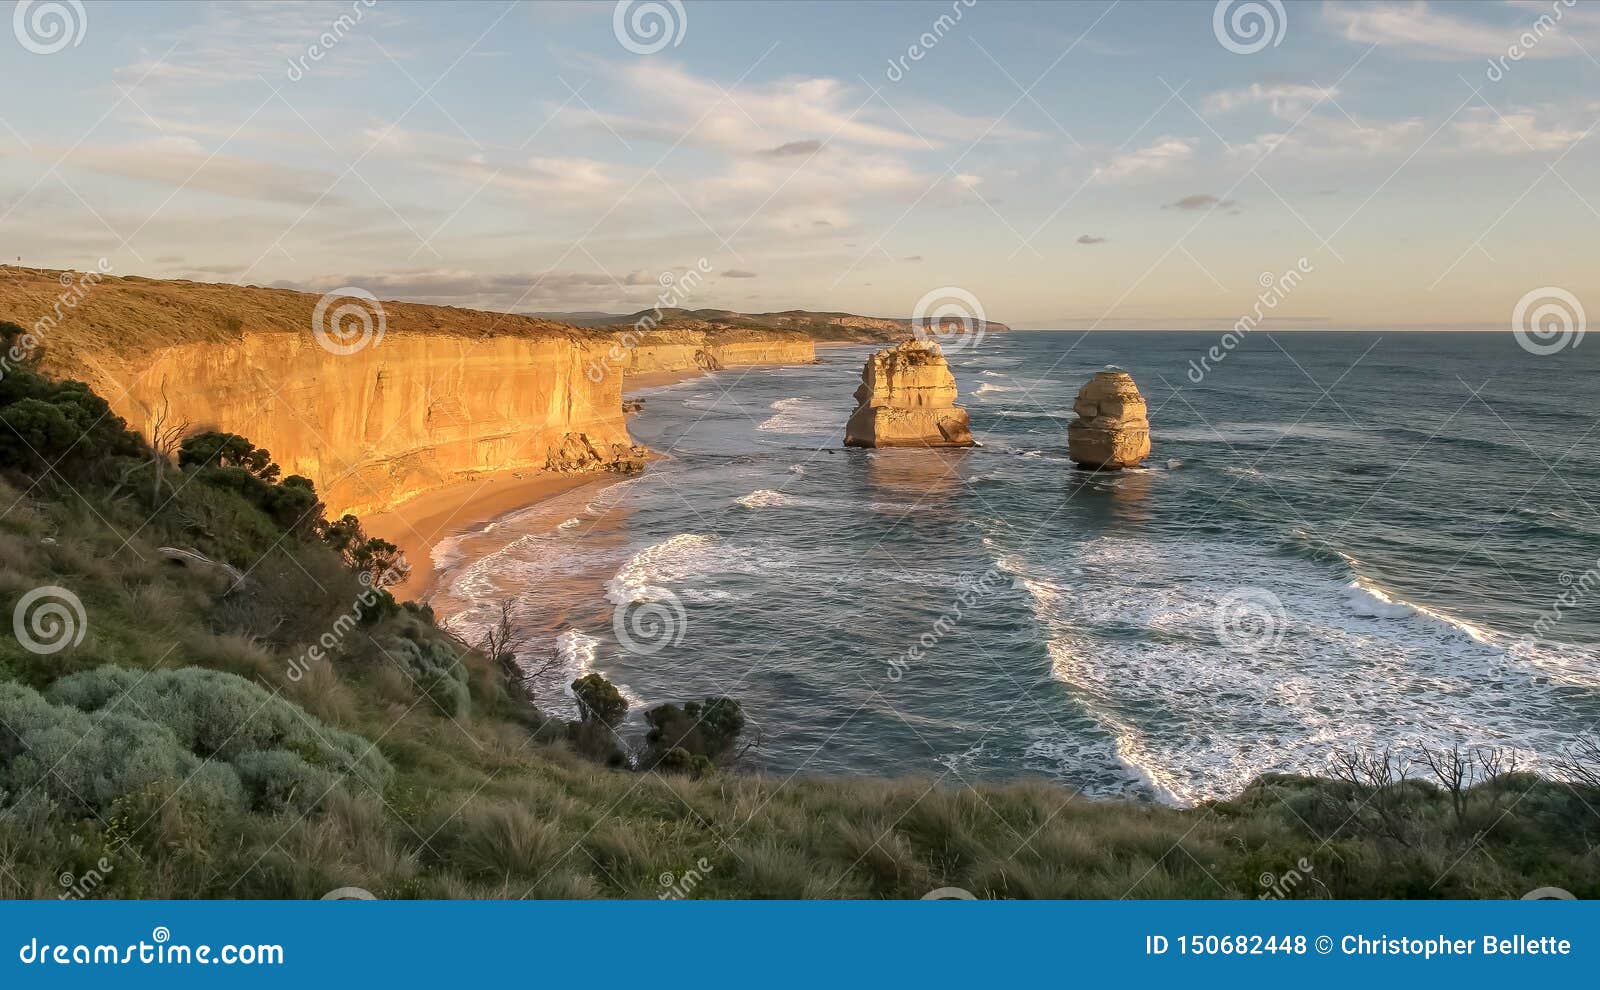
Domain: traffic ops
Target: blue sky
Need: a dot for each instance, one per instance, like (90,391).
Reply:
(1098,164)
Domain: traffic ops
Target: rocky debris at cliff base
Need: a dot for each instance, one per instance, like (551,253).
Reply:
(578,454)
(632,407)
(1112,430)
(907,397)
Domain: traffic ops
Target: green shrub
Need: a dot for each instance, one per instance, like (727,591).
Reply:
(433,665)
(381,561)
(278,780)
(59,755)
(599,700)
(220,715)
(702,732)
(225,450)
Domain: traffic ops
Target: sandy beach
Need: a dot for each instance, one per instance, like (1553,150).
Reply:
(417,525)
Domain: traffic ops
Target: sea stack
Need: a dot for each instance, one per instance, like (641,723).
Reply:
(907,398)
(1112,430)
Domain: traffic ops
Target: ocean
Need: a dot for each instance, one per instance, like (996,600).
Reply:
(1341,541)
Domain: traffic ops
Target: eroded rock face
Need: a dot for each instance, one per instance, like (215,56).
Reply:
(1112,430)
(908,398)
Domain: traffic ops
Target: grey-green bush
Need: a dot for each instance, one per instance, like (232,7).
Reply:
(56,754)
(437,672)
(277,780)
(220,715)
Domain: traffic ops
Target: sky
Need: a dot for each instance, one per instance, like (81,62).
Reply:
(1096,165)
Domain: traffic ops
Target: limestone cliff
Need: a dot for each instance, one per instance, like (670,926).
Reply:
(440,396)
(655,351)
(1112,430)
(907,398)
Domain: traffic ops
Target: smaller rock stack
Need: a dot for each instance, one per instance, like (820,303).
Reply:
(907,398)
(1112,430)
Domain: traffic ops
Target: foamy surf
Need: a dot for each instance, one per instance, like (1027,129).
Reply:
(1345,665)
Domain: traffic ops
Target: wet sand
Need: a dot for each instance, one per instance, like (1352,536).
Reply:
(419,524)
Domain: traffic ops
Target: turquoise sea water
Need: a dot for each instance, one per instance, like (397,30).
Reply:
(1341,540)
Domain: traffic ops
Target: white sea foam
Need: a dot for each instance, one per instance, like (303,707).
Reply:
(1356,667)
(803,416)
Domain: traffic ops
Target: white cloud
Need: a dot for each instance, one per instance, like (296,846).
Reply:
(674,105)
(1423,30)
(1157,158)
(1517,132)
(1286,100)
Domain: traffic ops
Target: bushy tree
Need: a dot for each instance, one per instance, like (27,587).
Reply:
(699,730)
(224,450)
(380,560)
(599,700)
(61,426)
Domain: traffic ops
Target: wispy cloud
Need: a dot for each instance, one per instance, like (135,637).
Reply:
(1160,157)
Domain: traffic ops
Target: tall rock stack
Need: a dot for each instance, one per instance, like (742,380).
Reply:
(907,398)
(1112,430)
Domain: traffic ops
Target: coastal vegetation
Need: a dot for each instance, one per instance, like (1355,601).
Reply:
(207,692)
